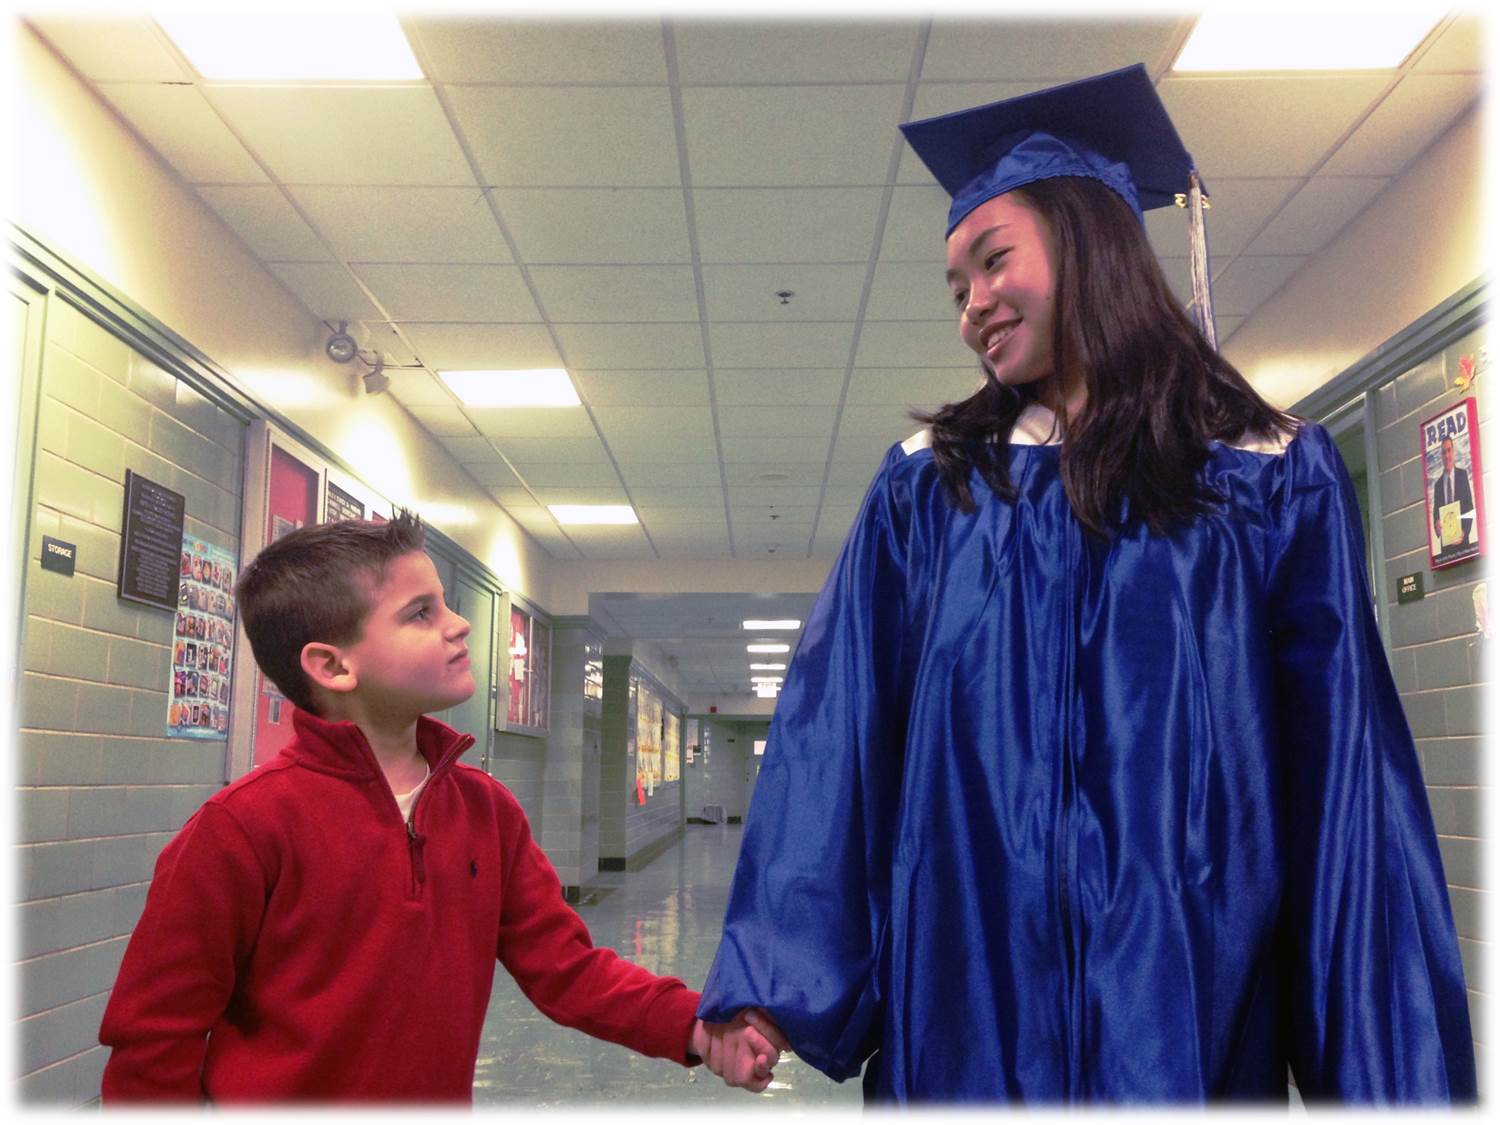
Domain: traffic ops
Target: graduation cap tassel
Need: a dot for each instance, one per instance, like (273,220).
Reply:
(1203,299)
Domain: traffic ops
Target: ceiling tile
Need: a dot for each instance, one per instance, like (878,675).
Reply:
(584,136)
(179,124)
(404,224)
(657,476)
(821,344)
(756,386)
(327,291)
(521,504)
(474,449)
(914,343)
(578,449)
(621,293)
(910,291)
(580,494)
(859,469)
(659,519)
(775,421)
(555,474)
(936,98)
(856,445)
(346,134)
(110,48)
(724,51)
(611,542)
(1316,214)
(753,292)
(744,473)
(683,495)
(1238,208)
(444,421)
(265,221)
(761,449)
(1246,282)
(416,387)
(663,445)
(533,50)
(492,474)
(379,336)
(535,421)
(794,135)
(913,385)
(914,225)
(1224,326)
(1057,49)
(632,345)
(887,421)
(1421,107)
(787,224)
(695,547)
(643,388)
(1458,47)
(637,421)
(482,347)
(589,225)
(464,292)
(1265,126)
(799,496)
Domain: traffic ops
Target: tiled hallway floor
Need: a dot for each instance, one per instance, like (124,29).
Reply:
(666,917)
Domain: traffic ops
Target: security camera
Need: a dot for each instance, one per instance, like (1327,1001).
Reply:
(341,347)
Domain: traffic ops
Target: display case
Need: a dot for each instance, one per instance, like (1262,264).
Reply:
(524,677)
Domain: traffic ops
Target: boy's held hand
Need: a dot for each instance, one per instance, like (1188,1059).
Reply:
(743,1051)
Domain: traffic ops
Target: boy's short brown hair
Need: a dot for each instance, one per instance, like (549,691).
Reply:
(316,584)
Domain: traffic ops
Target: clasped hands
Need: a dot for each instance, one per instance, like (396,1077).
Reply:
(743,1051)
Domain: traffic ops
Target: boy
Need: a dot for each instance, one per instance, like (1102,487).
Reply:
(326,928)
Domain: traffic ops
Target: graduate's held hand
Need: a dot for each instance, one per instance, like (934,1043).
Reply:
(743,1051)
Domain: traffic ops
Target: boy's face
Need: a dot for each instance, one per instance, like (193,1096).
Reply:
(412,657)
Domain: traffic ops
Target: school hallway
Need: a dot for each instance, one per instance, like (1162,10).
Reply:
(667,917)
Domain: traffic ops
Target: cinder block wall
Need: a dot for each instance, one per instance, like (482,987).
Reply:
(1439,662)
(101,789)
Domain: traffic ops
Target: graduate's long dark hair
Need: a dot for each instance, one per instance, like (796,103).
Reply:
(1157,392)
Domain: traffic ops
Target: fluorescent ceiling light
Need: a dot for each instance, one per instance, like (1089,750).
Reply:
(766,691)
(762,626)
(593,513)
(765,679)
(768,648)
(768,667)
(1357,39)
(293,48)
(545,386)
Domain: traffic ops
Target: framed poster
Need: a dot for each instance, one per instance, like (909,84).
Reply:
(202,642)
(671,746)
(524,675)
(1453,476)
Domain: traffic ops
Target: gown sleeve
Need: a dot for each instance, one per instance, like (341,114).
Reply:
(808,906)
(1376,1006)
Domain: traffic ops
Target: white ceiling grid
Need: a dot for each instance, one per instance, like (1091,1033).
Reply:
(630,199)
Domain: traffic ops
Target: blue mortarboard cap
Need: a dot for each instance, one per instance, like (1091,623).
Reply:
(1112,128)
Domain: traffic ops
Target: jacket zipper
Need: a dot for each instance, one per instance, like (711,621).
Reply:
(416,844)
(1065,851)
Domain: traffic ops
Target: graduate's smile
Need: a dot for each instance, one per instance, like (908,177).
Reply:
(1003,280)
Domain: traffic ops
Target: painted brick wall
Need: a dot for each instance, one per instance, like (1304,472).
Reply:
(1439,664)
(100,789)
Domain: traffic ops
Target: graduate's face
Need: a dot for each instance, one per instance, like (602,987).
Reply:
(1002,273)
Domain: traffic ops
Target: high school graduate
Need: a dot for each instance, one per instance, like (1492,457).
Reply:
(1089,781)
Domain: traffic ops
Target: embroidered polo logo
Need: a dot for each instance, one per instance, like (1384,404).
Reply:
(473,869)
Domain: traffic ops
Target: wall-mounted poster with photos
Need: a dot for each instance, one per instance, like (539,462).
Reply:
(202,642)
(1454,485)
(648,738)
(671,747)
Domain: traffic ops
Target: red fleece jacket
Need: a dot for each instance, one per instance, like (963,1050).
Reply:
(300,942)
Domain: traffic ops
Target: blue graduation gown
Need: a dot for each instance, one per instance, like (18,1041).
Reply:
(1051,819)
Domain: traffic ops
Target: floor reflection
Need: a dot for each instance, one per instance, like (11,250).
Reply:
(666,917)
